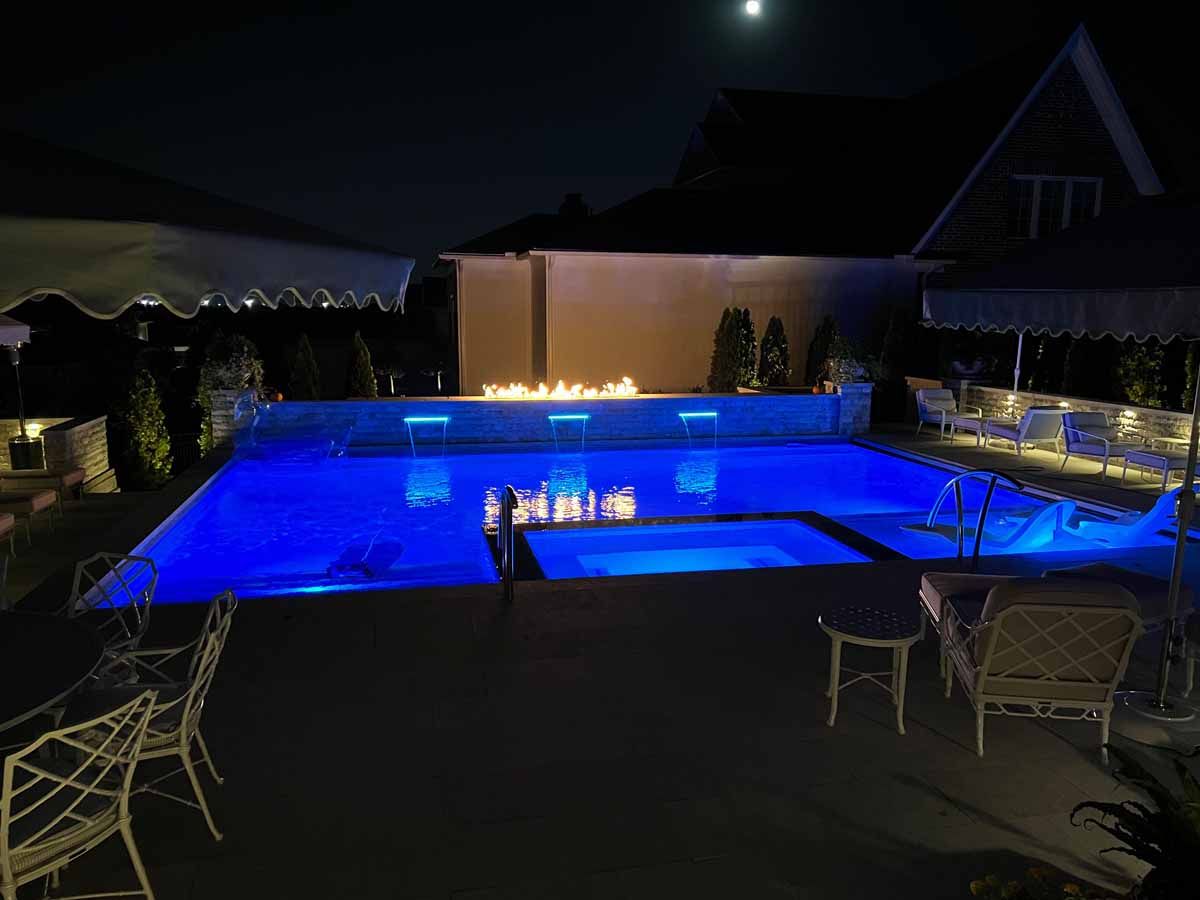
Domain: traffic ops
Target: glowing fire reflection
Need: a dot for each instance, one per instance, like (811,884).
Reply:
(517,391)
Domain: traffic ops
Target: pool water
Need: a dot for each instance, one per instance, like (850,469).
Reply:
(307,523)
(699,547)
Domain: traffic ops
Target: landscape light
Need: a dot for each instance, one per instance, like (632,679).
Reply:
(753,7)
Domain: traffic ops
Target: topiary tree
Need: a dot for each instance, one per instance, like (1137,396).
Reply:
(231,363)
(747,348)
(306,377)
(146,442)
(1189,383)
(774,361)
(818,349)
(723,370)
(361,378)
(1139,373)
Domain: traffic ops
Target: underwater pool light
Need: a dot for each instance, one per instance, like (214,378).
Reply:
(426,420)
(697,415)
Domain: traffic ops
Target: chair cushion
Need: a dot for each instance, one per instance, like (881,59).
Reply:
(966,593)
(7,521)
(24,503)
(1057,591)
(90,806)
(93,704)
(1151,592)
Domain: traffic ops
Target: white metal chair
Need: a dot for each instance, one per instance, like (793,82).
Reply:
(175,723)
(937,406)
(1043,648)
(67,792)
(114,591)
(1040,425)
(1089,434)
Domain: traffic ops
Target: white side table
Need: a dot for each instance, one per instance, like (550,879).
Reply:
(869,626)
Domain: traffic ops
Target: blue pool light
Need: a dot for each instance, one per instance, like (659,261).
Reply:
(687,417)
(410,421)
(582,418)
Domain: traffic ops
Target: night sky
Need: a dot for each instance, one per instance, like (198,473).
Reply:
(417,126)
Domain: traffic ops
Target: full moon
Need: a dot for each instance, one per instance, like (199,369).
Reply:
(753,7)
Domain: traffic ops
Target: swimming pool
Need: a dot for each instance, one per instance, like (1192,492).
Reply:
(692,547)
(294,524)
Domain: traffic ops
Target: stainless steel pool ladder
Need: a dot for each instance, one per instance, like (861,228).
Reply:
(506,537)
(955,485)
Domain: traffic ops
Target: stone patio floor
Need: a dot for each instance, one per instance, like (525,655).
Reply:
(653,738)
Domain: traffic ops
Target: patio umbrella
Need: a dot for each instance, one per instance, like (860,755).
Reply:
(1133,273)
(106,237)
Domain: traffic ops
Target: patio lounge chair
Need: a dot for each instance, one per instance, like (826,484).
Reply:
(28,504)
(68,792)
(174,726)
(62,481)
(937,406)
(1040,425)
(1133,529)
(1089,434)
(1043,648)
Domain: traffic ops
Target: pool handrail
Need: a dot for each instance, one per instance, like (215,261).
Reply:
(506,537)
(955,485)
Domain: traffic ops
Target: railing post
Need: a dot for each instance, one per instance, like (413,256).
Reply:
(506,536)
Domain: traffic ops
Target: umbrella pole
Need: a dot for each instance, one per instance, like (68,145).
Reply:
(1017,367)
(14,357)
(1187,503)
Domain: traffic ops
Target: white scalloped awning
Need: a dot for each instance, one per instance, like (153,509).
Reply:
(1164,313)
(104,267)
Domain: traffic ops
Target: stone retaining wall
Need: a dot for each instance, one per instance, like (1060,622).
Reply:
(69,442)
(649,417)
(1151,422)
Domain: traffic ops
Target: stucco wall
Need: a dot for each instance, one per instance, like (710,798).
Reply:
(495,322)
(652,317)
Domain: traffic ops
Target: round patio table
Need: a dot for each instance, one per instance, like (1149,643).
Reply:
(43,660)
(869,626)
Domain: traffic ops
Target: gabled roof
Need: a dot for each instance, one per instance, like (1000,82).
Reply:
(516,237)
(991,90)
(769,172)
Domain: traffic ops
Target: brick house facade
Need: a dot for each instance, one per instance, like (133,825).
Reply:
(1061,134)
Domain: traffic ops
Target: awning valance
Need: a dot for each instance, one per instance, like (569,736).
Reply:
(1142,314)
(105,266)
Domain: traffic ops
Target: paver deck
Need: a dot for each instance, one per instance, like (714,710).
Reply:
(647,738)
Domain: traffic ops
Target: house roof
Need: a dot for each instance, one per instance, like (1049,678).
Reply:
(774,172)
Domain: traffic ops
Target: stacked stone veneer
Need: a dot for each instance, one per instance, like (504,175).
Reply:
(649,417)
(1151,422)
(79,442)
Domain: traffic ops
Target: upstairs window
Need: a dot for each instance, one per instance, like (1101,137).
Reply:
(1040,205)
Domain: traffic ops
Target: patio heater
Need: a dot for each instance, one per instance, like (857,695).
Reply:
(25,450)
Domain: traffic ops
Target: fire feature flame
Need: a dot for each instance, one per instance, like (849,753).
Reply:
(517,391)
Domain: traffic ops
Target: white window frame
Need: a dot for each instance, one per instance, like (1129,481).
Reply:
(1070,180)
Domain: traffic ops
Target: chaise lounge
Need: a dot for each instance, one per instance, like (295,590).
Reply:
(62,481)
(1090,434)
(937,406)
(1040,425)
